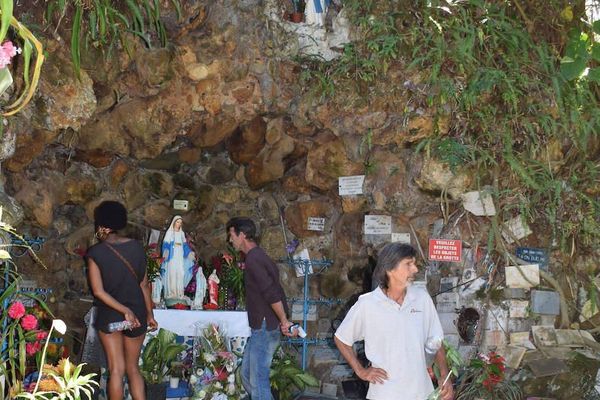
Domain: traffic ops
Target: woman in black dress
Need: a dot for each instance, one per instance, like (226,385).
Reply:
(117,276)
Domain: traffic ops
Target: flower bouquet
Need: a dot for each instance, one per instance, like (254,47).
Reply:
(214,375)
(24,341)
(233,278)
(153,261)
(485,379)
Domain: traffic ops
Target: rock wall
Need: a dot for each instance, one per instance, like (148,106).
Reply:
(220,118)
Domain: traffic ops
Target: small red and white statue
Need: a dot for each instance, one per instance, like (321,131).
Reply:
(213,289)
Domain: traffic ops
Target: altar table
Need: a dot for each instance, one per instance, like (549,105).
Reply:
(184,322)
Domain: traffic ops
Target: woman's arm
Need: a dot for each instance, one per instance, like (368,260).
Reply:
(95,279)
(147,291)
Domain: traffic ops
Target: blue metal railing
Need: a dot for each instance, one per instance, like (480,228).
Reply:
(317,267)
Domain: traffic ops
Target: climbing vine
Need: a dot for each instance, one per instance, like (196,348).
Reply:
(519,103)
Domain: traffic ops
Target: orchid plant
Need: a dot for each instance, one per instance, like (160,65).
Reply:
(31,50)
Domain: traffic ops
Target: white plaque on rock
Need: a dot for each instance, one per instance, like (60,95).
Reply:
(316,224)
(479,203)
(378,225)
(401,238)
(515,229)
(522,276)
(518,308)
(349,185)
(180,205)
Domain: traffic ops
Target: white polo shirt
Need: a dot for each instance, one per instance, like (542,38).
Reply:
(395,338)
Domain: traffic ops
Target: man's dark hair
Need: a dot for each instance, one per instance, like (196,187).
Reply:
(388,259)
(242,224)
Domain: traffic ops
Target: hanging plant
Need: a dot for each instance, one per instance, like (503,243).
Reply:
(31,50)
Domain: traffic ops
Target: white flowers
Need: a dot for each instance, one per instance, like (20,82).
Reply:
(59,325)
(231,389)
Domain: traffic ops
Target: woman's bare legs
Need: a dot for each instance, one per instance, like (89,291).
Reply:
(133,346)
(113,347)
(123,354)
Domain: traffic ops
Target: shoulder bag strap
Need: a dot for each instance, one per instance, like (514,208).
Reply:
(123,259)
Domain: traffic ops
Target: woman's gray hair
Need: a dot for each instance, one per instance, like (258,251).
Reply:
(388,259)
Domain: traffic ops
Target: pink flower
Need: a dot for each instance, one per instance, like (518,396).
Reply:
(10,49)
(41,335)
(228,258)
(16,310)
(32,348)
(29,322)
(7,52)
(225,354)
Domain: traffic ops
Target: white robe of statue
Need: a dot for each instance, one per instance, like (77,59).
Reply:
(311,16)
(178,261)
(175,269)
(200,290)
(157,290)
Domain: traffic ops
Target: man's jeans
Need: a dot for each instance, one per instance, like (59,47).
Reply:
(256,364)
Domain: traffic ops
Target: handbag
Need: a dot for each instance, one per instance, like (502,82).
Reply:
(127,264)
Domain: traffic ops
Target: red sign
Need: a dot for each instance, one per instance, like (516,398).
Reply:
(445,250)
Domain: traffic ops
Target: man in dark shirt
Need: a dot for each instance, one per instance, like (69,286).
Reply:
(266,307)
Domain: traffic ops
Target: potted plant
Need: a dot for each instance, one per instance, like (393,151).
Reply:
(287,378)
(297,14)
(158,355)
(176,373)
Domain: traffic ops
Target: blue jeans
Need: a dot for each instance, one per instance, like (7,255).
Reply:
(256,364)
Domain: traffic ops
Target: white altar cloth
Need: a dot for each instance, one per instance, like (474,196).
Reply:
(183,322)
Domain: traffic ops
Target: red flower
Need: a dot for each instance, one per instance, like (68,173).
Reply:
(210,306)
(221,374)
(153,245)
(16,310)
(180,306)
(41,335)
(32,348)
(29,322)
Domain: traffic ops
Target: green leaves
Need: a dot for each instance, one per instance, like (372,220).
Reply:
(580,53)
(75,38)
(6,7)
(287,377)
(160,351)
(107,22)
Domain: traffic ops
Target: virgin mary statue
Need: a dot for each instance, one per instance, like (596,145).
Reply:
(177,267)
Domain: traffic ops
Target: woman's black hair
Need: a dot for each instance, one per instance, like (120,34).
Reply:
(111,215)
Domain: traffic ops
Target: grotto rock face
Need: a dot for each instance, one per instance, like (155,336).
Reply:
(65,101)
(219,119)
